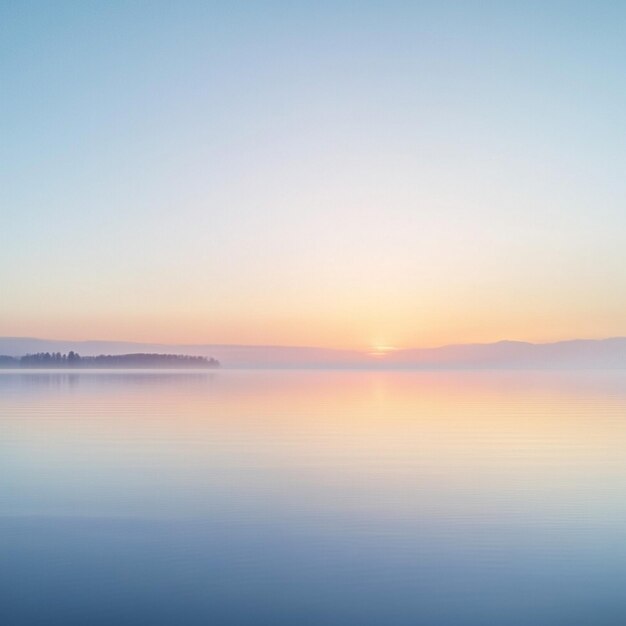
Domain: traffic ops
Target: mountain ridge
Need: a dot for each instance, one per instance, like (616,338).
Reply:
(601,353)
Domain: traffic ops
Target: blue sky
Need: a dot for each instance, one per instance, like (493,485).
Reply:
(340,174)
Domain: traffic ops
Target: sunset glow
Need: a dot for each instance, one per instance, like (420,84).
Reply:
(313,313)
(219,176)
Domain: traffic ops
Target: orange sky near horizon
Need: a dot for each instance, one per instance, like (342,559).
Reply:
(368,333)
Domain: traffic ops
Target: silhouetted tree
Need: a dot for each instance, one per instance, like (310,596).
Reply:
(73,358)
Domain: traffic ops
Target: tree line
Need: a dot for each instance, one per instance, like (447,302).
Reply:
(73,359)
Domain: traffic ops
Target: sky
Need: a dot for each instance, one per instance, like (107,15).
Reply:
(339,174)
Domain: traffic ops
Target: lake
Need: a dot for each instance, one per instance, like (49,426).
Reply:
(294,498)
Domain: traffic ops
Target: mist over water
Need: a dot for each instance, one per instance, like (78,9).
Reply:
(285,497)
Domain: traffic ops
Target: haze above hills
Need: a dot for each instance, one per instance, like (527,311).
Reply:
(607,353)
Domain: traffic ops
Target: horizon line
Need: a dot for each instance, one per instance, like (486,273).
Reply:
(363,350)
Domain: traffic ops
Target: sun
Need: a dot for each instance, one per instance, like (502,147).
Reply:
(381,350)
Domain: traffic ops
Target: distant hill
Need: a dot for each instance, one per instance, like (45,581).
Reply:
(579,353)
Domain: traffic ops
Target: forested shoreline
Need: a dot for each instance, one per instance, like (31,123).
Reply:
(72,359)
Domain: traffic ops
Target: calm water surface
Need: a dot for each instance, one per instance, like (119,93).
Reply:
(313,498)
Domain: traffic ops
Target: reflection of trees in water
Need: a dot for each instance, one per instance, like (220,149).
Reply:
(34,381)
(58,380)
